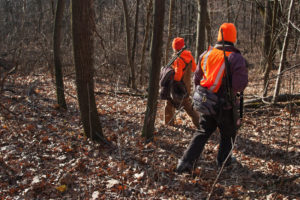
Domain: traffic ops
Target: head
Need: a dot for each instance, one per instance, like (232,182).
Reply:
(229,32)
(178,43)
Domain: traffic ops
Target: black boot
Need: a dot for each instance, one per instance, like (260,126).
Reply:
(184,166)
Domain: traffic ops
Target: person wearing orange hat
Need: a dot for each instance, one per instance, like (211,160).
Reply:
(208,76)
(183,66)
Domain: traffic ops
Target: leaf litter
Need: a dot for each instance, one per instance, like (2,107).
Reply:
(44,153)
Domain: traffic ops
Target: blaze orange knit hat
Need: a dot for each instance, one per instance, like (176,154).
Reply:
(229,32)
(178,43)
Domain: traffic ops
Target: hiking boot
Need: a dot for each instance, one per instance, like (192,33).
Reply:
(184,166)
(228,163)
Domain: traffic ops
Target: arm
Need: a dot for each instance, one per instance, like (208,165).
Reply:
(178,70)
(198,73)
(239,72)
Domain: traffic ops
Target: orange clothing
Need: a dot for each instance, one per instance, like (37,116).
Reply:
(213,67)
(179,64)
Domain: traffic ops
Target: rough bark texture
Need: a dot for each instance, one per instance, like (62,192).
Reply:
(156,56)
(82,24)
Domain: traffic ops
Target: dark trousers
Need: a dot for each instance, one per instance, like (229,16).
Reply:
(207,126)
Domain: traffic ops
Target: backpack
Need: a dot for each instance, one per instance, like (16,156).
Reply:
(174,91)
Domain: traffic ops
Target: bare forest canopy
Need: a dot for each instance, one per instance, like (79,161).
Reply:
(78,87)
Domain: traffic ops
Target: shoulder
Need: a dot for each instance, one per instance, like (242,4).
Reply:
(186,53)
(237,60)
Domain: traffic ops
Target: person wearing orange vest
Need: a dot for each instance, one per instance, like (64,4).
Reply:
(183,66)
(209,75)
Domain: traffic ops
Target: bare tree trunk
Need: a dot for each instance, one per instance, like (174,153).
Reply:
(57,54)
(255,25)
(283,54)
(53,8)
(266,34)
(251,25)
(271,54)
(208,30)
(83,49)
(40,7)
(228,11)
(156,56)
(149,9)
(169,31)
(201,22)
(128,46)
(135,33)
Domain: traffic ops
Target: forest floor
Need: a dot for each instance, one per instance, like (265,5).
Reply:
(45,155)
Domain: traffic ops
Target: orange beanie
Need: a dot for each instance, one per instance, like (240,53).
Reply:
(178,43)
(229,32)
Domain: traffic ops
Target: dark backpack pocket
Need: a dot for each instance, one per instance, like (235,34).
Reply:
(166,75)
(205,101)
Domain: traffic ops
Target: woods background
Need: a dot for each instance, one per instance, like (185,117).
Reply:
(105,50)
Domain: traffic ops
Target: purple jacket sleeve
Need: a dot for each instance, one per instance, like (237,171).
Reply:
(239,72)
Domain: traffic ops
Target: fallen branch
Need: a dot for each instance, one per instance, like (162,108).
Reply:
(261,100)
(113,93)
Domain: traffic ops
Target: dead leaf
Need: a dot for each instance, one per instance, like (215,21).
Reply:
(62,188)
(111,183)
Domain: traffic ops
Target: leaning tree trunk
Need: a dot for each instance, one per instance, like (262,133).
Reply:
(283,54)
(128,46)
(83,49)
(156,55)
(57,54)
(171,8)
(201,24)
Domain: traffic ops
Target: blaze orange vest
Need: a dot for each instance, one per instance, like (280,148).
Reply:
(213,66)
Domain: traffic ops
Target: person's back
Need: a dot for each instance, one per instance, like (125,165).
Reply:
(183,66)
(209,80)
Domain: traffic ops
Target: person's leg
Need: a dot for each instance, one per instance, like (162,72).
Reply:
(169,113)
(227,137)
(194,115)
(206,127)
